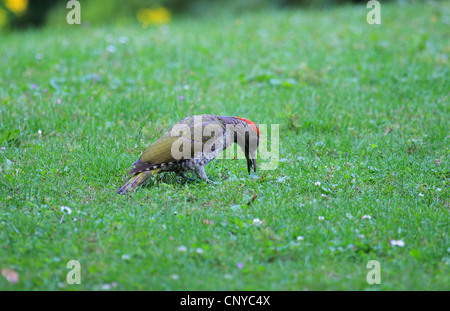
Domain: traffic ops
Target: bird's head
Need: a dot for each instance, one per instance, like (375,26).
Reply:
(247,137)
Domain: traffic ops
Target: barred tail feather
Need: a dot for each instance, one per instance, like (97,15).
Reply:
(136,181)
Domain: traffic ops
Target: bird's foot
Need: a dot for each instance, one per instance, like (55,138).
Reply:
(209,181)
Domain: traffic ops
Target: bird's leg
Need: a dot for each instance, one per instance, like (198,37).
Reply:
(202,174)
(195,173)
(187,178)
(183,175)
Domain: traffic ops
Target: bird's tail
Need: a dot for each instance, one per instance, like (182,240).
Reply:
(136,181)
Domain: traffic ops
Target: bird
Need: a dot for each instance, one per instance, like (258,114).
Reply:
(190,144)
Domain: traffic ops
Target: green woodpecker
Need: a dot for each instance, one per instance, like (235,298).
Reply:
(191,144)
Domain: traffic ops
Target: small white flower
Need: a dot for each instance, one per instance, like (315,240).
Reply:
(257,222)
(366,217)
(175,276)
(438,189)
(125,257)
(317,184)
(300,238)
(323,195)
(400,243)
(421,195)
(199,250)
(106,286)
(66,209)
(186,87)
(39,132)
(321,218)
(182,248)
(361,236)
(123,40)
(111,48)
(61,284)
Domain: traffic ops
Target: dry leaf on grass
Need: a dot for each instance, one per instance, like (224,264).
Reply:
(252,199)
(10,275)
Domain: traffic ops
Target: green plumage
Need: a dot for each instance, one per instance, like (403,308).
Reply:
(192,132)
(160,150)
(136,181)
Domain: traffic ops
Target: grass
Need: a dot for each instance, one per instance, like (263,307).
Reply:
(363,109)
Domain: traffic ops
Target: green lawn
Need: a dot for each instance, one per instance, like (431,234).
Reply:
(363,109)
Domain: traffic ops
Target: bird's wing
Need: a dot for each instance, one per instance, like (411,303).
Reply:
(161,150)
(209,127)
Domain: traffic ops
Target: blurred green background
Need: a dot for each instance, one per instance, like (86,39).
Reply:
(363,110)
(20,14)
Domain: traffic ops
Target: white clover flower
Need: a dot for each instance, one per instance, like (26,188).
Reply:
(317,184)
(421,195)
(199,250)
(106,286)
(123,40)
(257,222)
(182,248)
(321,218)
(300,238)
(66,209)
(111,48)
(366,217)
(39,132)
(126,257)
(438,189)
(400,243)
(175,276)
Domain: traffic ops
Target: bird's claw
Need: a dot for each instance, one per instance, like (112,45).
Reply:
(209,181)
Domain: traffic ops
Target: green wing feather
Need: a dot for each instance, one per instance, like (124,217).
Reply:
(136,181)
(161,150)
